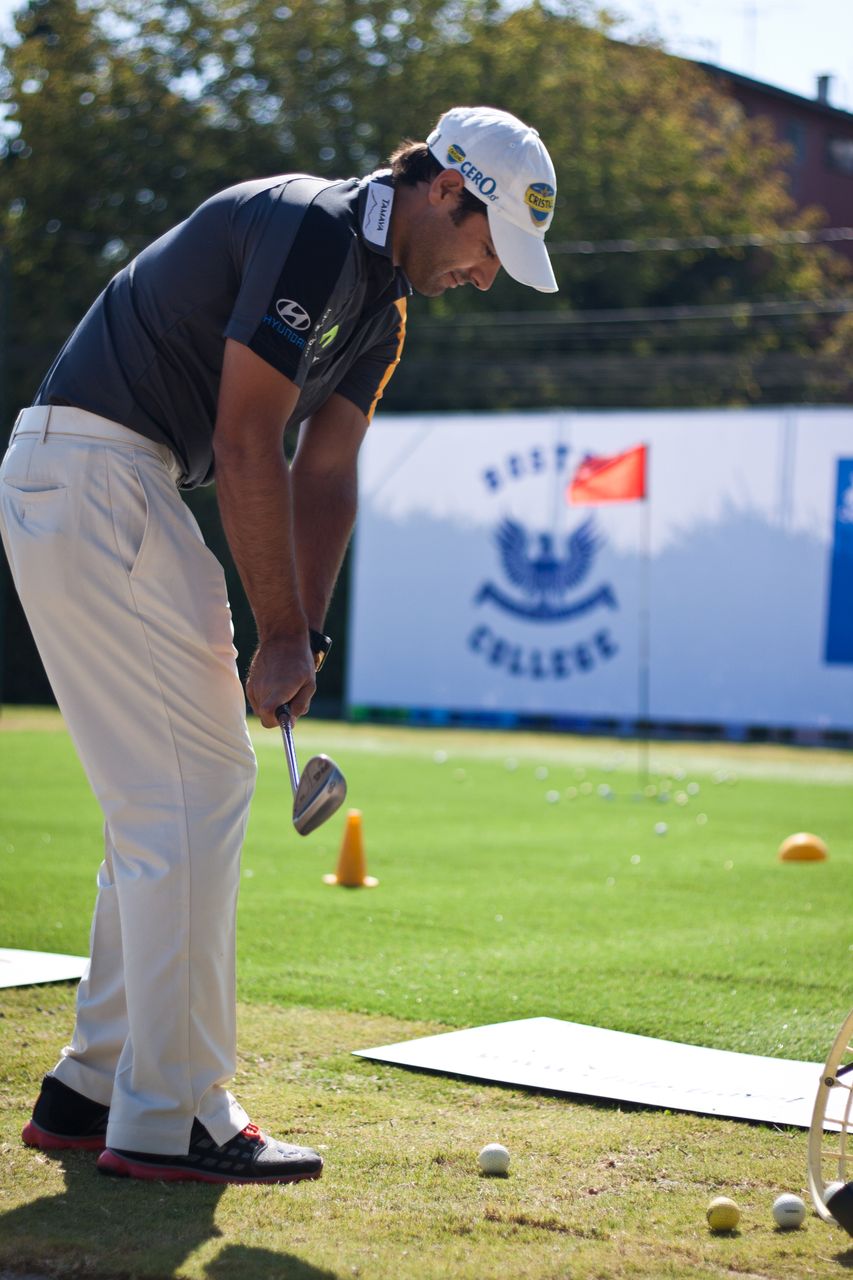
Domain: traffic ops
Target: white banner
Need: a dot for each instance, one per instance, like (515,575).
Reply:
(568,1057)
(478,589)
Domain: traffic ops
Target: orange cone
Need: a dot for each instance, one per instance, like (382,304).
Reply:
(352,864)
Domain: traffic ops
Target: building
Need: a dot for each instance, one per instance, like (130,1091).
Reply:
(820,138)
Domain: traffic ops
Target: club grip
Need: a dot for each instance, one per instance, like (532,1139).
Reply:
(286,724)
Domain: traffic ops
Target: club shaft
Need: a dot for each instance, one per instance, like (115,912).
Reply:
(283,715)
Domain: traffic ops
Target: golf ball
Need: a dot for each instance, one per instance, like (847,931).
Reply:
(789,1211)
(722,1214)
(494,1159)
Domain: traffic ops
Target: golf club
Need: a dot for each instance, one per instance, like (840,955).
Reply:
(830,1155)
(322,788)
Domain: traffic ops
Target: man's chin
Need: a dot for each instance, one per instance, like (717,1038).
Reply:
(429,288)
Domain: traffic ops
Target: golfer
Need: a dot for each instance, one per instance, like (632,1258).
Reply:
(278,304)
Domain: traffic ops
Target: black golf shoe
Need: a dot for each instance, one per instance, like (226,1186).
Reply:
(249,1157)
(64,1119)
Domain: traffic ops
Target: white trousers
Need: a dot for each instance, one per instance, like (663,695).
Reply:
(128,608)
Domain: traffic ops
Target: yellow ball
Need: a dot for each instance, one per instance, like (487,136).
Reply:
(803,846)
(723,1214)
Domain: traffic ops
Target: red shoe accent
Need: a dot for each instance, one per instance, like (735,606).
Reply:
(33,1136)
(252,1131)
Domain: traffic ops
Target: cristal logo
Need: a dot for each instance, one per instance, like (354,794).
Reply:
(539,198)
(292,314)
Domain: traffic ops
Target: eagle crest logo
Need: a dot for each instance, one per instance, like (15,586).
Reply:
(546,572)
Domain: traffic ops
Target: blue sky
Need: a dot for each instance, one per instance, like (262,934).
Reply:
(788,43)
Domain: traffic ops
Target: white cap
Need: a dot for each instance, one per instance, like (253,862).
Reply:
(505,163)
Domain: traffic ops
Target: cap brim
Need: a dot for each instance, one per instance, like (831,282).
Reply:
(523,254)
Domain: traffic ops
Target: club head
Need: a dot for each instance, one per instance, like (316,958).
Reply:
(321,792)
(840,1205)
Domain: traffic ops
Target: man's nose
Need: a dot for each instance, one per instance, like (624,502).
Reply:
(483,275)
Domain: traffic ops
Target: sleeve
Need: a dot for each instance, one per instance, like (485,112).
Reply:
(282,303)
(365,382)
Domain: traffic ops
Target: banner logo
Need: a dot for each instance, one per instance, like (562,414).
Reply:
(530,611)
(545,575)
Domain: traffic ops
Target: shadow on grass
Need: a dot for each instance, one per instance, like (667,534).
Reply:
(122,1229)
(239,1262)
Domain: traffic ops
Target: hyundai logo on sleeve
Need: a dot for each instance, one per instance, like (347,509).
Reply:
(292,314)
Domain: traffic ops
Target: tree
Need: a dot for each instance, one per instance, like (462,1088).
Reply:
(121,116)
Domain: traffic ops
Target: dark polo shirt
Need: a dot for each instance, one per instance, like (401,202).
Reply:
(297,268)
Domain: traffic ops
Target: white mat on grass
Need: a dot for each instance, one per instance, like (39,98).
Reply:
(27,968)
(567,1057)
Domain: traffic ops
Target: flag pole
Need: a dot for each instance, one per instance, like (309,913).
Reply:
(643,640)
(623,478)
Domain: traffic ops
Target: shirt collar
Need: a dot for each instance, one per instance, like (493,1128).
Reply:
(375,205)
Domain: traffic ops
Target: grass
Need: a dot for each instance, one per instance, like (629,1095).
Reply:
(494,902)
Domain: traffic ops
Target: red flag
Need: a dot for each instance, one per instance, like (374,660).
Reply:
(621,478)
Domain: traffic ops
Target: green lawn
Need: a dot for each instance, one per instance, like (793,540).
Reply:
(505,892)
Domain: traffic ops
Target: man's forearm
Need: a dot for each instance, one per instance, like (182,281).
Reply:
(324,510)
(255,503)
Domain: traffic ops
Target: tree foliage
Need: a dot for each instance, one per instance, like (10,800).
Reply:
(123,115)
(117,117)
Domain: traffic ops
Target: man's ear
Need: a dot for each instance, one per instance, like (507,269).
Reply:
(447,185)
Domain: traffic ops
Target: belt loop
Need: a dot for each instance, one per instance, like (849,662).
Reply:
(45,422)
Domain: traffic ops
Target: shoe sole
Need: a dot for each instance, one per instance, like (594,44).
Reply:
(116,1166)
(33,1136)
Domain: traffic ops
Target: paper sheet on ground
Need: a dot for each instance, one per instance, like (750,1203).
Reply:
(567,1057)
(27,968)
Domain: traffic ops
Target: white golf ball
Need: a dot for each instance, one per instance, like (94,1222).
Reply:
(828,1192)
(494,1159)
(789,1211)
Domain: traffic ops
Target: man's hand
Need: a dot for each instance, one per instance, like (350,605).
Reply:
(282,670)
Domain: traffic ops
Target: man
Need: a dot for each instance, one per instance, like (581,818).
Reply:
(278,303)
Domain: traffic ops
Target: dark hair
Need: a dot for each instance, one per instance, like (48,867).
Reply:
(413,162)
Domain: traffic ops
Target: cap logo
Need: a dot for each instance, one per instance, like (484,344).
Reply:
(485,185)
(539,198)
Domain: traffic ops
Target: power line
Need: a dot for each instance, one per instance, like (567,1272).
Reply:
(671,244)
(739,311)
